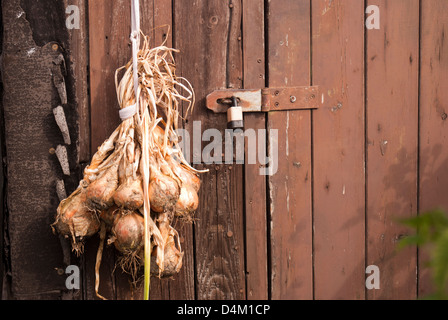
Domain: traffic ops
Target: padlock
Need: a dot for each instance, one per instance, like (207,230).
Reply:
(235,116)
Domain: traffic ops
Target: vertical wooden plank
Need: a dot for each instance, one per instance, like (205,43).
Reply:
(78,64)
(163,15)
(392,113)
(219,242)
(338,131)
(255,184)
(433,118)
(109,30)
(210,62)
(182,286)
(290,187)
(79,56)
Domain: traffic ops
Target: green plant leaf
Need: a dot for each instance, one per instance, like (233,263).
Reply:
(440,261)
(435,296)
(431,229)
(413,240)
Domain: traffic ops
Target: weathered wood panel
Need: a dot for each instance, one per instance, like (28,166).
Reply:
(433,118)
(392,133)
(29,55)
(290,187)
(255,183)
(78,65)
(338,139)
(208,36)
(79,62)
(219,238)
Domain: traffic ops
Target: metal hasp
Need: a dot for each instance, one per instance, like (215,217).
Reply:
(266,100)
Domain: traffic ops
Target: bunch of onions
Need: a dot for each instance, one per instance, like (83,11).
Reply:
(138,180)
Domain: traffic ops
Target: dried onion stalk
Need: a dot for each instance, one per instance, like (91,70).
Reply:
(138,180)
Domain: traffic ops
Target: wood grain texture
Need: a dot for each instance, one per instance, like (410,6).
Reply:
(30,131)
(79,61)
(433,119)
(219,236)
(338,131)
(109,50)
(255,184)
(392,139)
(290,187)
(209,39)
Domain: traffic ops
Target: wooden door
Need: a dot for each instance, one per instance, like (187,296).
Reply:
(371,154)
(346,172)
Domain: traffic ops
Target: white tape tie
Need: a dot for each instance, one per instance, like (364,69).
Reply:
(128,112)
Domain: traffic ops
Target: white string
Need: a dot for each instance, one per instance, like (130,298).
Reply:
(130,111)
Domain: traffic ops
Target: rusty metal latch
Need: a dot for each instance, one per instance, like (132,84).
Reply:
(266,100)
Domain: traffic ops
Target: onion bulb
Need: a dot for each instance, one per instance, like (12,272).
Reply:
(100,192)
(172,262)
(172,257)
(128,232)
(188,201)
(184,174)
(163,190)
(109,216)
(129,195)
(75,220)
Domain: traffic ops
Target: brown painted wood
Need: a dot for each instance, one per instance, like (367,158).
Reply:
(290,188)
(209,39)
(338,131)
(109,50)
(255,184)
(182,286)
(79,53)
(433,118)
(218,235)
(392,139)
(163,22)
